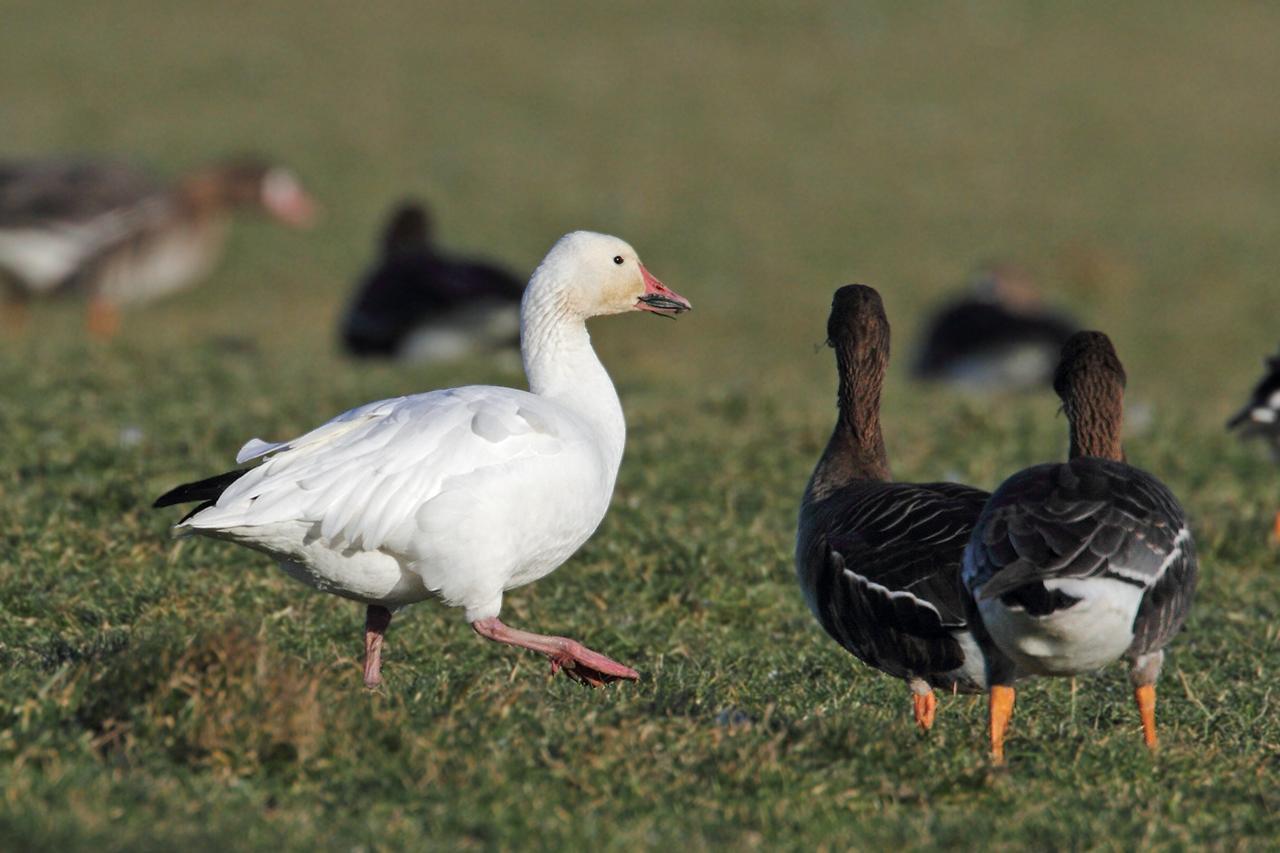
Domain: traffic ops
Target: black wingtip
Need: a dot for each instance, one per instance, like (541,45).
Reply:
(206,490)
(169,498)
(199,508)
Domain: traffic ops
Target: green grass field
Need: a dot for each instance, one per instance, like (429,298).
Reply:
(158,693)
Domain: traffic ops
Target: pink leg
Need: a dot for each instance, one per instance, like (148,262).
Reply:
(376,621)
(579,663)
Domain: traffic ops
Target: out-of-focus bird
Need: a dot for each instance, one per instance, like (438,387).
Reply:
(460,494)
(1260,417)
(1074,565)
(1000,337)
(115,235)
(419,304)
(879,561)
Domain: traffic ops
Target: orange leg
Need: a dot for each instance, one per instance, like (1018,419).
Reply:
(15,315)
(1275,529)
(926,708)
(1001,711)
(1146,696)
(104,319)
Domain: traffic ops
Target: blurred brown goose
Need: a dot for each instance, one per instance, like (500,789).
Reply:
(999,338)
(879,561)
(114,235)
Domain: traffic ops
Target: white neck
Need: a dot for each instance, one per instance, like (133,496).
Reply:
(562,366)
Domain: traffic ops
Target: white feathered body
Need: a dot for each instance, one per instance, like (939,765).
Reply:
(462,494)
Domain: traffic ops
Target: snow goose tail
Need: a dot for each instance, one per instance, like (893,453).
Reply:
(460,494)
(878,561)
(1074,565)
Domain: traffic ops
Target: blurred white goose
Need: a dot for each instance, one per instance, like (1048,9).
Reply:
(463,493)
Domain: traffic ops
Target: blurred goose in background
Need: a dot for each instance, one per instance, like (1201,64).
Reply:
(115,235)
(419,304)
(1074,565)
(459,494)
(879,561)
(1260,417)
(999,338)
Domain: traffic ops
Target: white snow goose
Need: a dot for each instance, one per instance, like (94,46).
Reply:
(1260,417)
(1074,565)
(114,235)
(879,561)
(420,304)
(460,494)
(999,338)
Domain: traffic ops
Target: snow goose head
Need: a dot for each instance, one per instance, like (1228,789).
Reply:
(590,275)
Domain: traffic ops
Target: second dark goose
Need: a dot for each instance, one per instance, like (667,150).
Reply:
(1074,565)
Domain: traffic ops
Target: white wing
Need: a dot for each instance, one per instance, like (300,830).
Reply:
(364,476)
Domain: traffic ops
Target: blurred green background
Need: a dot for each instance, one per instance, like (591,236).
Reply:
(758,155)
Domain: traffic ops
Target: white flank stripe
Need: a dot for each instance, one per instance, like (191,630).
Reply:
(893,593)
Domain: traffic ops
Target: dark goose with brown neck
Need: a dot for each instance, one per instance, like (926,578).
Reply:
(999,337)
(1074,565)
(879,561)
(419,303)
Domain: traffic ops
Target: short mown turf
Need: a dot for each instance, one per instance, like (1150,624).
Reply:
(158,694)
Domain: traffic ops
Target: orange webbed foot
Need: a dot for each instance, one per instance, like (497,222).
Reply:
(925,707)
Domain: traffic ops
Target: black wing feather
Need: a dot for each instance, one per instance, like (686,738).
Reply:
(37,192)
(888,588)
(209,489)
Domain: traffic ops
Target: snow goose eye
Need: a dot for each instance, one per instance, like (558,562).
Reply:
(617,259)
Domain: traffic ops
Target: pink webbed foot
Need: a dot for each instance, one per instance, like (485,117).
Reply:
(577,661)
(587,667)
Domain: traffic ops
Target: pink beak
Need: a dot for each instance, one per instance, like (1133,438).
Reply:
(659,298)
(300,211)
(288,202)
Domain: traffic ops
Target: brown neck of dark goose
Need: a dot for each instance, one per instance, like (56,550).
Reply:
(217,190)
(1095,410)
(856,448)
